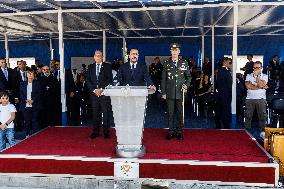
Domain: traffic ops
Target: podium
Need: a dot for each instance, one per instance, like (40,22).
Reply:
(128,105)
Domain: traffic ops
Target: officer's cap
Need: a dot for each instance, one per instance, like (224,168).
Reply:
(175,46)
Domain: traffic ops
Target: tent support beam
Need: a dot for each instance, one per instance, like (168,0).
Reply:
(235,57)
(114,17)
(7,48)
(202,49)
(62,70)
(213,58)
(104,46)
(124,50)
(51,48)
(224,13)
(180,7)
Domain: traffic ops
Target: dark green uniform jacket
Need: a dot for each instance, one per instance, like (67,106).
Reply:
(174,77)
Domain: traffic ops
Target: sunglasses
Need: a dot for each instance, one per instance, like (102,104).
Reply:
(256,68)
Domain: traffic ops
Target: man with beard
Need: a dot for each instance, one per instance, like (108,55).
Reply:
(50,92)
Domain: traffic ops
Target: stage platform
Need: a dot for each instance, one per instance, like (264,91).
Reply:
(205,155)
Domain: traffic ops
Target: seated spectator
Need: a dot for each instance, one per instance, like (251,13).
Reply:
(274,67)
(203,94)
(207,67)
(7,116)
(276,86)
(155,71)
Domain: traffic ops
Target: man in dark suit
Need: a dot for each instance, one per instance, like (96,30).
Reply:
(176,78)
(6,78)
(99,75)
(134,73)
(224,96)
(19,77)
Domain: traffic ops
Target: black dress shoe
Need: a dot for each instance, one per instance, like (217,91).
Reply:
(94,135)
(180,136)
(170,136)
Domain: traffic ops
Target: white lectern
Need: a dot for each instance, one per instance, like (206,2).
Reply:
(128,105)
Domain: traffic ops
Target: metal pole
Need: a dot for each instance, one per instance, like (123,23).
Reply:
(7,48)
(62,72)
(202,50)
(213,58)
(235,57)
(104,45)
(124,50)
(51,48)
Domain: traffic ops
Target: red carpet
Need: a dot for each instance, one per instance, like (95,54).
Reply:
(200,144)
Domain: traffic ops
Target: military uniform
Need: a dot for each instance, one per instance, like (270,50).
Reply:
(174,75)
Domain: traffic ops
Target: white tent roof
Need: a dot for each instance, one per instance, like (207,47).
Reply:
(87,19)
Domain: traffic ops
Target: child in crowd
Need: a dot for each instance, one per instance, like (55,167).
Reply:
(7,115)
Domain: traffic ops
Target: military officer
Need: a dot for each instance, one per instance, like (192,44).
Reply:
(175,79)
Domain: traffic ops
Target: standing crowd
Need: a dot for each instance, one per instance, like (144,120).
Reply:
(31,97)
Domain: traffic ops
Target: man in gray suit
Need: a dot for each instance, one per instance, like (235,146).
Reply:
(175,79)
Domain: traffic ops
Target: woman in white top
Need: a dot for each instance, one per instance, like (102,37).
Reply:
(30,102)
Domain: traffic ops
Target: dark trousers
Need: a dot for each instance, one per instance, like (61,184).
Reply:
(30,121)
(19,120)
(172,105)
(100,106)
(74,111)
(223,114)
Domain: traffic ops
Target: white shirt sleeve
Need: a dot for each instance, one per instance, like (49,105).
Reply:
(265,78)
(12,108)
(248,77)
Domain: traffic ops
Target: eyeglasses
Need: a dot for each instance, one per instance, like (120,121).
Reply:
(45,69)
(256,68)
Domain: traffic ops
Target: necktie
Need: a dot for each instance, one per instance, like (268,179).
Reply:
(132,69)
(58,75)
(98,71)
(23,76)
(175,63)
(277,85)
(6,73)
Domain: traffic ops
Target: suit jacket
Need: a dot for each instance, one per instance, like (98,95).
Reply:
(224,85)
(36,88)
(104,78)
(140,77)
(276,69)
(17,80)
(4,84)
(174,77)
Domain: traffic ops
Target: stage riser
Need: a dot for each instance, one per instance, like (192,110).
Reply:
(227,174)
